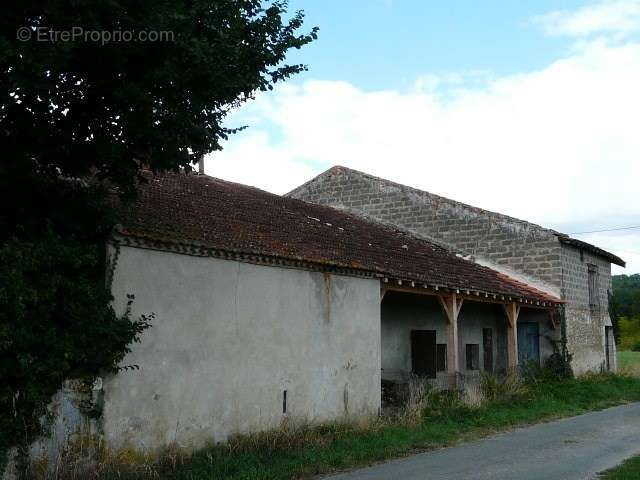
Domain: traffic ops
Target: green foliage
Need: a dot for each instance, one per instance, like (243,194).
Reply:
(624,307)
(56,321)
(89,109)
(625,298)
(67,107)
(557,367)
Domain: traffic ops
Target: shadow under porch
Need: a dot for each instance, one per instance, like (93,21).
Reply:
(450,340)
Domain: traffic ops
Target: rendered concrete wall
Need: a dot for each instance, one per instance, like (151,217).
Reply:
(229,338)
(402,313)
(585,325)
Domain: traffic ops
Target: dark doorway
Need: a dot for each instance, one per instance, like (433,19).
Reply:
(423,353)
(487,349)
(528,342)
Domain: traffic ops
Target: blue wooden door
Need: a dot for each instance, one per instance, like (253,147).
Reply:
(528,342)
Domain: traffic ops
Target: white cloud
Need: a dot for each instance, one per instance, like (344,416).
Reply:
(620,18)
(253,161)
(558,146)
(624,244)
(632,257)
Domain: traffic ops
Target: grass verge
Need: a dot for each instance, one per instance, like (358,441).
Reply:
(629,362)
(444,422)
(628,470)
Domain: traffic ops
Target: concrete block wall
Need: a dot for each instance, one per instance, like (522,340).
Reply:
(518,248)
(585,324)
(516,245)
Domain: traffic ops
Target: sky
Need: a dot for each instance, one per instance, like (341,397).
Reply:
(530,109)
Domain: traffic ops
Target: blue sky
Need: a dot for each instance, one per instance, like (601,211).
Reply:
(525,108)
(378,44)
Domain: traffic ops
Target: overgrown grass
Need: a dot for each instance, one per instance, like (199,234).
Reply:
(429,420)
(445,422)
(629,363)
(629,470)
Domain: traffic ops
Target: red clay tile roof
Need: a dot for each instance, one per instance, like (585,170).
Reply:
(224,215)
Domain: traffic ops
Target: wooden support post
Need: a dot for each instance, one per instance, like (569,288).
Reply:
(513,311)
(451,306)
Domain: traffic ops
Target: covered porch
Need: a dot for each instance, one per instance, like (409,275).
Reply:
(450,336)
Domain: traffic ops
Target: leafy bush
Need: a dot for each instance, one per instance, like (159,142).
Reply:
(558,367)
(531,371)
(56,318)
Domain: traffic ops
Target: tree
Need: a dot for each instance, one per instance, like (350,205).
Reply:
(101,89)
(624,305)
(625,300)
(70,106)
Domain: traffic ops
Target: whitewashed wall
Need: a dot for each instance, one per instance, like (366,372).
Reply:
(229,338)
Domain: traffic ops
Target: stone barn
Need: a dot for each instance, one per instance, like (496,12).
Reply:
(577,272)
(270,307)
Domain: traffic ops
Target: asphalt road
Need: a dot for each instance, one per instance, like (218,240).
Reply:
(573,448)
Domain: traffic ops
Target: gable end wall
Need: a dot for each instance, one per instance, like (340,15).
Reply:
(585,325)
(516,245)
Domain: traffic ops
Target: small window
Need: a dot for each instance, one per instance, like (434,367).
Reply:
(594,300)
(473,356)
(441,358)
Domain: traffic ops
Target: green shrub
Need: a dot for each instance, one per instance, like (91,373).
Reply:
(557,367)
(57,322)
(531,371)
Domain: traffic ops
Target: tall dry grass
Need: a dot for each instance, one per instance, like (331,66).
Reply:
(501,387)
(87,458)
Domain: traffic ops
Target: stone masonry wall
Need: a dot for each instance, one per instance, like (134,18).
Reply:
(514,244)
(585,324)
